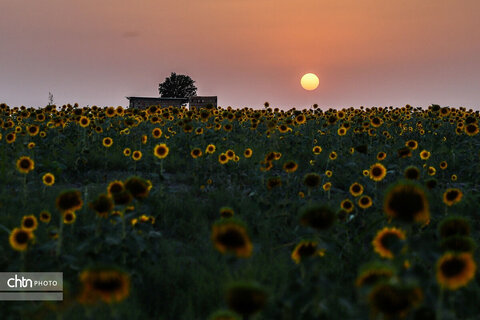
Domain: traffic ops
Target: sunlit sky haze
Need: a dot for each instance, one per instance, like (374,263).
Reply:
(369,52)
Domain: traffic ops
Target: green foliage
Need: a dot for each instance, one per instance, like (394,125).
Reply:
(163,240)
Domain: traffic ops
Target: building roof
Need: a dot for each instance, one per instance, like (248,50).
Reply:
(156,98)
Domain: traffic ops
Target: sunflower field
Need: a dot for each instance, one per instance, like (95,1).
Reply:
(228,214)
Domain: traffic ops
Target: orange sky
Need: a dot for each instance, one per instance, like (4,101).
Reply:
(368,52)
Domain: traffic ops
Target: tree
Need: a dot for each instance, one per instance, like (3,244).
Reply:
(50,98)
(177,86)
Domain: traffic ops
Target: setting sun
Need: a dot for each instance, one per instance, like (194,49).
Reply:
(309,81)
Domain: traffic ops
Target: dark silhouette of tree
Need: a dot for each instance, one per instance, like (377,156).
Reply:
(177,86)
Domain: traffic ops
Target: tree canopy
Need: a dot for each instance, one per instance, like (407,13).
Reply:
(177,86)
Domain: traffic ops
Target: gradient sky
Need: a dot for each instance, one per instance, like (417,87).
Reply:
(365,52)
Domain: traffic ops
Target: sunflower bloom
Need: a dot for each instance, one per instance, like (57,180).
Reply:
(384,239)
(25,164)
(20,238)
(455,270)
(229,236)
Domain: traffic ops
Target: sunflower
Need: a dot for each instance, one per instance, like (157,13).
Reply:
(316,216)
(84,121)
(290,166)
(25,164)
(230,154)
(431,171)
(228,127)
(161,151)
(137,155)
(317,150)
(333,155)
(69,217)
(374,273)
(381,156)
(365,202)
(306,249)
(196,153)
(45,216)
(247,153)
(222,158)
(11,137)
(312,180)
(385,239)
(226,212)
(356,189)
(283,128)
(110,112)
(115,187)
(454,226)
(411,144)
(455,270)
(139,188)
(327,186)
(425,155)
(246,298)
(404,152)
(230,236)
(48,179)
(144,139)
(377,172)
(347,205)
(29,223)
(394,301)
(30,145)
(412,173)
(300,119)
(105,285)
(443,165)
(452,196)
(70,200)
(407,202)
(210,149)
(20,238)
(156,133)
(102,205)
(127,152)
(270,157)
(33,130)
(471,129)
(329,173)
(273,182)
(454,177)
(107,142)
(341,131)
(376,122)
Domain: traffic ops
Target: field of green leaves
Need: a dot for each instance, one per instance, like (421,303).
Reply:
(222,213)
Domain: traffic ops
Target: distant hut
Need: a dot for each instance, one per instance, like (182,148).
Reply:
(194,102)
(203,101)
(145,102)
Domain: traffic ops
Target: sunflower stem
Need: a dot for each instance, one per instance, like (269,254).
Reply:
(24,190)
(60,236)
(440,304)
(124,234)
(24,261)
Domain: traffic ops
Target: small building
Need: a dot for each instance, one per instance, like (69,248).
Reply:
(194,102)
(203,101)
(145,102)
